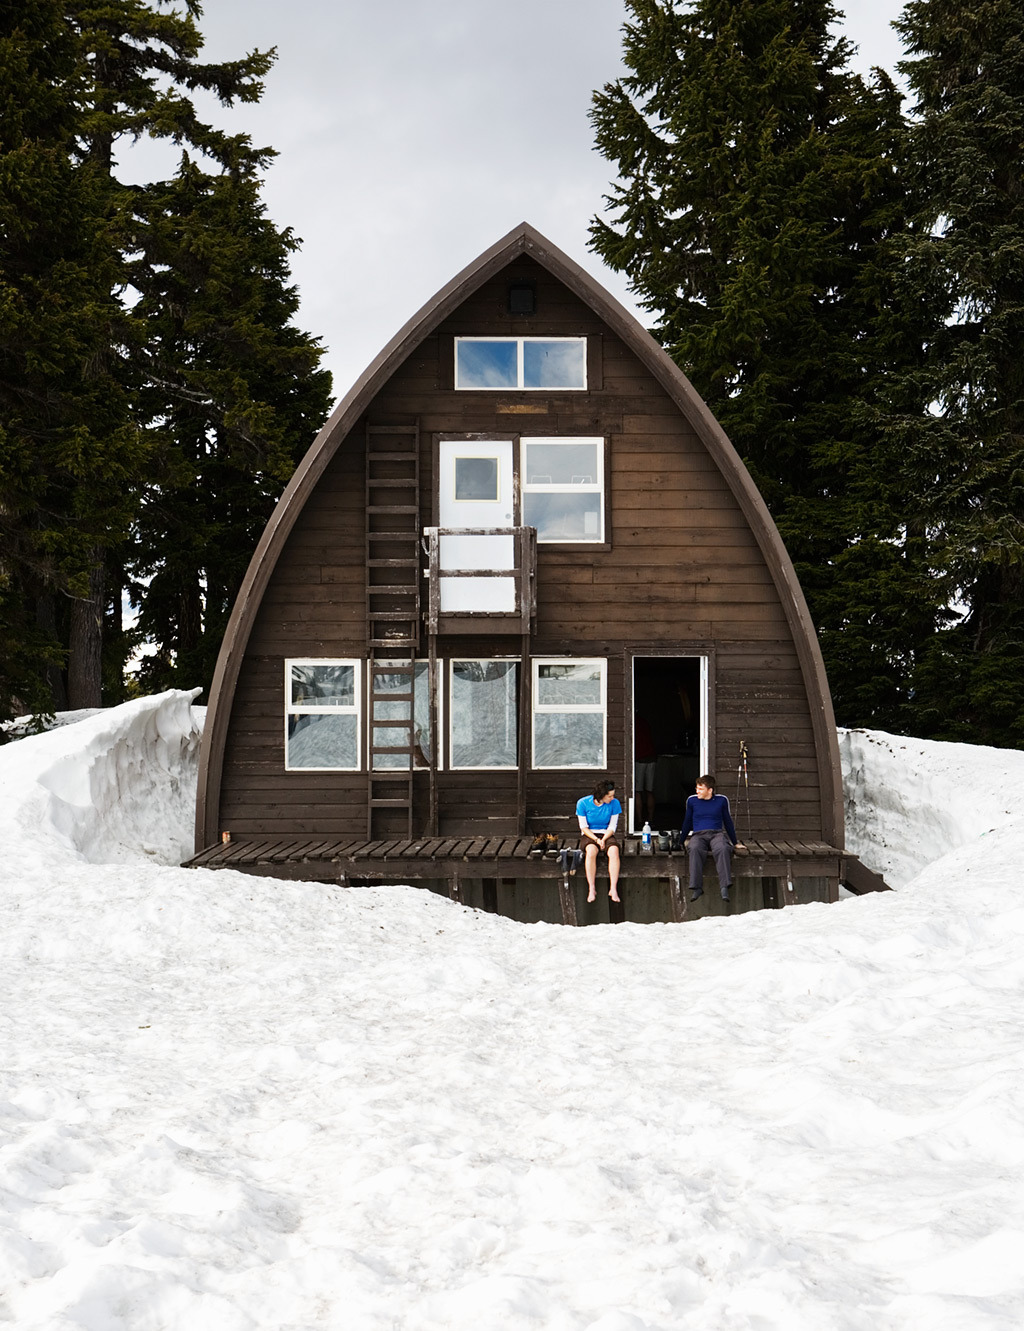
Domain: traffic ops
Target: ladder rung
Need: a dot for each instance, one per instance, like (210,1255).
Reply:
(407,456)
(393,508)
(392,429)
(390,615)
(400,589)
(392,483)
(389,804)
(393,563)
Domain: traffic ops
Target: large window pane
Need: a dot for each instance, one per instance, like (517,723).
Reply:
(484,726)
(486,364)
(554,364)
(561,464)
(317,739)
(569,685)
(323,685)
(563,516)
(568,739)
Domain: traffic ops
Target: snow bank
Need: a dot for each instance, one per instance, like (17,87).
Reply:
(236,1104)
(911,802)
(116,787)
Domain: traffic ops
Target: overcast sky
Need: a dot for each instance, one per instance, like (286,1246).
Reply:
(412,135)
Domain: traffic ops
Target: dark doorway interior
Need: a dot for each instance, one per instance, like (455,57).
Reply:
(666,711)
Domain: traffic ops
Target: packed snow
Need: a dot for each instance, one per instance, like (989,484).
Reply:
(232,1103)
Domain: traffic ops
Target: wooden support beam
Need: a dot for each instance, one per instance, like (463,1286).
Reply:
(677,898)
(567,898)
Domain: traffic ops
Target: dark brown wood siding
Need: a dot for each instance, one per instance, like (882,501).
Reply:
(684,573)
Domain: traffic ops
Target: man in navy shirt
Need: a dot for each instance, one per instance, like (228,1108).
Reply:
(708,828)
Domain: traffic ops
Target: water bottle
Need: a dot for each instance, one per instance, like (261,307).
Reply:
(645,836)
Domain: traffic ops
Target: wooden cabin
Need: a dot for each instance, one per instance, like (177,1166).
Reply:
(520,536)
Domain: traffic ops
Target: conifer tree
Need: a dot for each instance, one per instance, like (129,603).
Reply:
(233,391)
(757,186)
(69,452)
(96,375)
(962,270)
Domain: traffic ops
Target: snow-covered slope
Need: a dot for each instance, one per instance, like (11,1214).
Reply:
(234,1103)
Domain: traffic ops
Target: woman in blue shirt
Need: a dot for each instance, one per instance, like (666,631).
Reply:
(598,816)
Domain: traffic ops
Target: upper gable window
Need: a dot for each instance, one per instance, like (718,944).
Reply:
(520,362)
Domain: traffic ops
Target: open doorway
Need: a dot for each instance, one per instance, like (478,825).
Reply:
(670,728)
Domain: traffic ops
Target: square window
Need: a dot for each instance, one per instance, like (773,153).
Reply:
(486,364)
(559,363)
(570,713)
(563,489)
(476,479)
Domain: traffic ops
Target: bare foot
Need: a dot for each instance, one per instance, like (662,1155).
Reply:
(612,896)
(592,896)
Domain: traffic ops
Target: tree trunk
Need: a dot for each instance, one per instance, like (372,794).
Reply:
(46,618)
(85,648)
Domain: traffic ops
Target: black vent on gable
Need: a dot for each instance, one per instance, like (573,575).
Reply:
(522,298)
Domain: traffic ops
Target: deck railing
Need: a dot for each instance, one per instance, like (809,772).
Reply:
(463,597)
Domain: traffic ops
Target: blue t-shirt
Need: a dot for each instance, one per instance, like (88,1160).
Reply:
(598,816)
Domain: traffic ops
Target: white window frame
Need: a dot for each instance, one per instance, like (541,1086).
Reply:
(308,709)
(541,709)
(567,487)
(481,660)
(519,386)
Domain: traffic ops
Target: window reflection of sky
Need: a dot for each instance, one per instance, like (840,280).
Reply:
(487,365)
(546,362)
(554,364)
(561,464)
(476,479)
(563,517)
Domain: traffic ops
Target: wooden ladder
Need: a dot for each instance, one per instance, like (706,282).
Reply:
(392,621)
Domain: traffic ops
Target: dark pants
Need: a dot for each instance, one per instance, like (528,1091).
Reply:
(720,848)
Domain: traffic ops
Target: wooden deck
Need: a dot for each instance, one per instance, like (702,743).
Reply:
(453,860)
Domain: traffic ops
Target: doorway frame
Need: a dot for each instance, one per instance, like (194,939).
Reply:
(707,747)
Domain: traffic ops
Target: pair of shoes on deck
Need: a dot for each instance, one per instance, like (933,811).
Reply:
(544,843)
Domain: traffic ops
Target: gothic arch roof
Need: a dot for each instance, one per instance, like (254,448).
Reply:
(523,239)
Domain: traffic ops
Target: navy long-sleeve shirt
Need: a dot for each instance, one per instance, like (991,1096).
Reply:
(711,815)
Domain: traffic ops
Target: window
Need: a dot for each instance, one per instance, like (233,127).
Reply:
(563,488)
(484,714)
(520,362)
(388,681)
(569,711)
(322,715)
